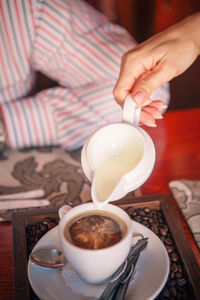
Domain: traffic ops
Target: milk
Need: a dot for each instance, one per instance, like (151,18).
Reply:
(110,171)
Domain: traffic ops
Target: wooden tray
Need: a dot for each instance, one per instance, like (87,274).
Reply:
(161,202)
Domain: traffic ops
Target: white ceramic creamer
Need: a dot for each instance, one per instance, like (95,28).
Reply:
(118,158)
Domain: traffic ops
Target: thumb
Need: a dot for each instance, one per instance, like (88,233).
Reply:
(147,83)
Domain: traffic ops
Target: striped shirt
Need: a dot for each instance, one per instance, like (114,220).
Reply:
(75,45)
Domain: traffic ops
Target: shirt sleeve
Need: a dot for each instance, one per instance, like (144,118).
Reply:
(29,122)
(60,116)
(76,46)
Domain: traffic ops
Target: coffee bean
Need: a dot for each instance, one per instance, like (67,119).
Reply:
(174,257)
(173,291)
(155,217)
(46,221)
(154,228)
(145,223)
(162,239)
(180,289)
(180,269)
(138,219)
(171,283)
(141,212)
(169,249)
(131,211)
(146,210)
(168,242)
(181,281)
(174,267)
(172,275)
(43,228)
(166,293)
(38,231)
(179,275)
(164,230)
(150,214)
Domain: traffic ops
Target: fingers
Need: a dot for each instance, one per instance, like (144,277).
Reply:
(141,80)
(152,112)
(130,70)
(159,104)
(147,119)
(150,81)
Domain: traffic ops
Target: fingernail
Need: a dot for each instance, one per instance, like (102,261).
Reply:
(150,124)
(162,106)
(140,97)
(158,116)
(147,102)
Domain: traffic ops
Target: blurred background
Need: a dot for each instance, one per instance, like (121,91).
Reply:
(143,18)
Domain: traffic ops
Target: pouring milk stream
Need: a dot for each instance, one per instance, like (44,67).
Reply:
(119,157)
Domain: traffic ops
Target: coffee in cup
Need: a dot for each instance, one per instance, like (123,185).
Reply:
(95,229)
(95,258)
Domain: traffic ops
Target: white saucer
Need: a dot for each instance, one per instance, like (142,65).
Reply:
(151,273)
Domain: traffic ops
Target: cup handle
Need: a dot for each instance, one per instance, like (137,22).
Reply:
(130,114)
(63,210)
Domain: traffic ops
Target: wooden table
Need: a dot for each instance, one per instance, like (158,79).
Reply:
(177,142)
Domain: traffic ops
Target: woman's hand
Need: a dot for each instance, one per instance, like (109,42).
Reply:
(156,61)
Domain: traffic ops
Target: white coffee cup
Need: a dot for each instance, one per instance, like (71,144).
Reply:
(110,139)
(95,266)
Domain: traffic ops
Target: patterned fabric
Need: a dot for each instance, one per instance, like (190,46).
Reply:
(57,172)
(52,169)
(73,44)
(187,195)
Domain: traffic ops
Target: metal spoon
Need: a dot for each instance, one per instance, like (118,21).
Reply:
(48,258)
(53,258)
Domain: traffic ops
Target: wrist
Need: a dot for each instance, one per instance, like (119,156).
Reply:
(192,24)
(197,31)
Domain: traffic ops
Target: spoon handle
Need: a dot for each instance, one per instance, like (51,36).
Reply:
(121,291)
(122,274)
